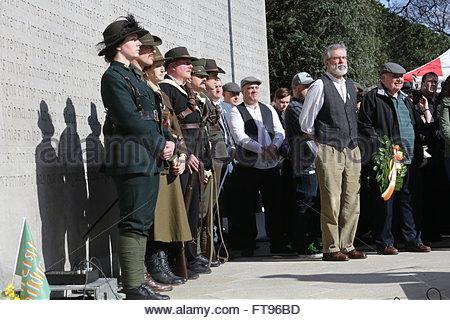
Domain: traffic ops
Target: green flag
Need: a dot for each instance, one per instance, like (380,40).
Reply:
(29,267)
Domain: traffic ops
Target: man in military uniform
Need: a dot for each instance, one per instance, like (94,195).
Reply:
(136,145)
(214,141)
(182,98)
(213,73)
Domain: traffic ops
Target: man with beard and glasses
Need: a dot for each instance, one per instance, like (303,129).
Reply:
(387,111)
(329,118)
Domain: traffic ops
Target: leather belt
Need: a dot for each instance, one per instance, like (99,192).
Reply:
(184,114)
(151,115)
(186,126)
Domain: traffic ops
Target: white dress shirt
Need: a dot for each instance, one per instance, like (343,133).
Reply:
(241,138)
(314,102)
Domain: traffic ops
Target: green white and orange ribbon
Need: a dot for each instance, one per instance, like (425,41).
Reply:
(389,167)
(395,166)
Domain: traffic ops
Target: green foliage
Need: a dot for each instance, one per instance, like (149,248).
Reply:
(299,30)
(382,160)
(412,44)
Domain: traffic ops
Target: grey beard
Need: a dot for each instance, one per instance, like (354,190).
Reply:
(340,72)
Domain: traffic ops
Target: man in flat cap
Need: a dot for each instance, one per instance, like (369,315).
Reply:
(329,118)
(258,134)
(136,145)
(305,222)
(231,92)
(387,111)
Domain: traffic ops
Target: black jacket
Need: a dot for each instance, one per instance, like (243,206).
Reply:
(378,118)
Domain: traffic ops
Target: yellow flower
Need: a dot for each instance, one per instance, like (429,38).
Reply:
(9,293)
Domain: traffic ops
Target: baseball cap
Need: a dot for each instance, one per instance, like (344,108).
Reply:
(302,78)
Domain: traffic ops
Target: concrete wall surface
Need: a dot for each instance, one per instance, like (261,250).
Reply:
(51,111)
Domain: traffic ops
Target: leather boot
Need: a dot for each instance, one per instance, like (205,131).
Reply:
(205,260)
(143,292)
(158,267)
(198,267)
(156,286)
(131,257)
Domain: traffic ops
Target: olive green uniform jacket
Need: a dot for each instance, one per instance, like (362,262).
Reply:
(136,144)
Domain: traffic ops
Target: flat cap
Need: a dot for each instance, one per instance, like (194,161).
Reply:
(302,78)
(249,80)
(392,67)
(231,87)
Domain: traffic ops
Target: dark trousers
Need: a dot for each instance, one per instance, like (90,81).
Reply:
(305,217)
(400,203)
(137,201)
(434,189)
(250,181)
(192,213)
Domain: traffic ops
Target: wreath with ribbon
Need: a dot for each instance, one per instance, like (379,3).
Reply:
(389,167)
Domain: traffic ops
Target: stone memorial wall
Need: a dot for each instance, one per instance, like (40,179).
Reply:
(51,111)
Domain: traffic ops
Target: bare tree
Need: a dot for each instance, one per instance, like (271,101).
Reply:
(432,13)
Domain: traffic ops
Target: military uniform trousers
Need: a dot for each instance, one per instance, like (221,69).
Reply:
(171,223)
(338,173)
(137,200)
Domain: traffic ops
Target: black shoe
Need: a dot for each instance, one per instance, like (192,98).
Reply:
(143,293)
(205,260)
(158,267)
(192,275)
(198,267)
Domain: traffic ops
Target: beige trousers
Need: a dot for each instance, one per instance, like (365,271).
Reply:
(338,173)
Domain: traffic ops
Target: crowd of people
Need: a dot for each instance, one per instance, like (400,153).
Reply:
(184,153)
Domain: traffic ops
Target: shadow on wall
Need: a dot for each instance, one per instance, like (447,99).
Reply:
(65,209)
(50,182)
(103,239)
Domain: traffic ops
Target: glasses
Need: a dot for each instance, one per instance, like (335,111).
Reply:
(338,58)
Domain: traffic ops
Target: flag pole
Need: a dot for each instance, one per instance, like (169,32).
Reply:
(18,249)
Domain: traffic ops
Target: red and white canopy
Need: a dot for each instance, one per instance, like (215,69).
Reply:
(440,66)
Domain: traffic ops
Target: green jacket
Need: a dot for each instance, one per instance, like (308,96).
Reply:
(444,123)
(136,144)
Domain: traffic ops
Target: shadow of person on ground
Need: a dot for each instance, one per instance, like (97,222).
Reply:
(414,284)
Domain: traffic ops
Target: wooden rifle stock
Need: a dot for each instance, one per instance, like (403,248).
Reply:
(180,262)
(198,144)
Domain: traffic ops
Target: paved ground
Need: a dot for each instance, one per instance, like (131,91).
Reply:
(406,276)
